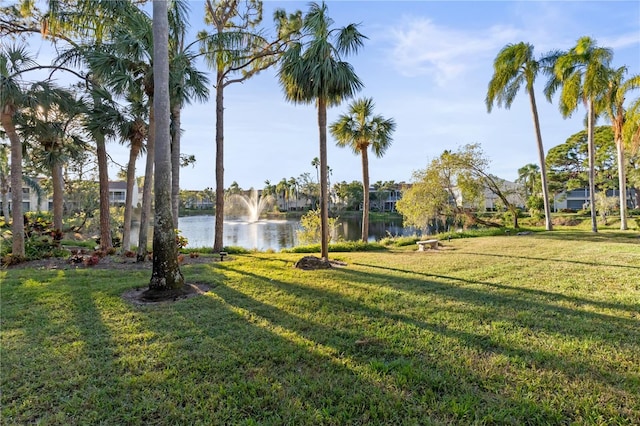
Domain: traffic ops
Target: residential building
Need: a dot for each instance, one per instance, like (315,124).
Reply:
(578,199)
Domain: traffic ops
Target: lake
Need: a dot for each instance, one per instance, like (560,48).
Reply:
(272,234)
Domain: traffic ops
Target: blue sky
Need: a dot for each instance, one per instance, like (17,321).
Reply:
(427,65)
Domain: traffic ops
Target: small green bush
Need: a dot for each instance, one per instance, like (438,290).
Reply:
(399,241)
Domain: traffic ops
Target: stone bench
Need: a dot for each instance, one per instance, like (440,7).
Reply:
(433,244)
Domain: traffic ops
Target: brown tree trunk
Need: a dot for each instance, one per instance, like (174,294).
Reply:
(592,175)
(103,179)
(58,191)
(365,191)
(128,201)
(622,183)
(324,210)
(17,219)
(166,273)
(146,191)
(543,167)
(218,237)
(175,163)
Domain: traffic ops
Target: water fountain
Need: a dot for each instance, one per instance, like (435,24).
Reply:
(254,204)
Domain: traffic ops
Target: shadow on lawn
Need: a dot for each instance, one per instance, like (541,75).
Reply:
(626,237)
(501,307)
(546,259)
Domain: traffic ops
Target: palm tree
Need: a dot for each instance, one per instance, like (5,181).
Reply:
(293,190)
(186,84)
(134,129)
(50,127)
(582,74)
(359,129)
(237,51)
(316,163)
(313,71)
(5,176)
(613,101)
(528,176)
(514,66)
(166,275)
(13,97)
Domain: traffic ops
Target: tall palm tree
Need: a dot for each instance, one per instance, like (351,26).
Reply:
(134,129)
(359,129)
(13,97)
(186,84)
(165,273)
(582,75)
(515,66)
(313,71)
(613,103)
(237,50)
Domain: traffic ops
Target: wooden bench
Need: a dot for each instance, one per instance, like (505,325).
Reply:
(433,244)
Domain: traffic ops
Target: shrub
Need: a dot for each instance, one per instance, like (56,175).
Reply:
(398,241)
(343,246)
(311,227)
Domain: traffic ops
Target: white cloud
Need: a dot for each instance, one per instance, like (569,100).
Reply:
(422,47)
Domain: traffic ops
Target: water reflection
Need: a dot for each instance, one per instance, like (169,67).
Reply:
(272,234)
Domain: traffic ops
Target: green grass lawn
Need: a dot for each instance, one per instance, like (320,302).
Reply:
(536,329)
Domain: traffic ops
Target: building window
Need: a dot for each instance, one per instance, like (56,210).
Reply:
(26,206)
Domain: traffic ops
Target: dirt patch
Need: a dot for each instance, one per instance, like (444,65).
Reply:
(308,263)
(142,296)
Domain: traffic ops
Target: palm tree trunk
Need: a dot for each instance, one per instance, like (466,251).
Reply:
(166,273)
(143,237)
(103,182)
(175,163)
(622,184)
(592,175)
(365,191)
(128,201)
(58,191)
(543,168)
(17,220)
(218,237)
(324,210)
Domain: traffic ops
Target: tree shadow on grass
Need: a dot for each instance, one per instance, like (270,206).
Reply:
(534,293)
(605,236)
(501,308)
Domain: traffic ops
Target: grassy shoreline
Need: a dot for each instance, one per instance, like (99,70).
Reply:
(535,329)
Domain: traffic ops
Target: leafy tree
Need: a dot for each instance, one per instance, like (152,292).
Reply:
(237,51)
(429,197)
(350,194)
(568,163)
(313,71)
(451,187)
(515,66)
(359,129)
(581,73)
(166,273)
(613,103)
